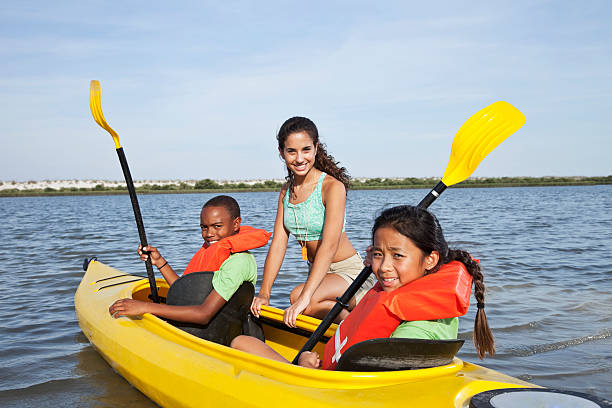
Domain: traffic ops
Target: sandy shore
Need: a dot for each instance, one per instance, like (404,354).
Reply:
(67,184)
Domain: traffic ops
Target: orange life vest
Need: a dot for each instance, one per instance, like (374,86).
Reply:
(210,258)
(440,295)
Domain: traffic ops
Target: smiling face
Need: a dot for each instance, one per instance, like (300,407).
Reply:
(217,223)
(396,261)
(299,152)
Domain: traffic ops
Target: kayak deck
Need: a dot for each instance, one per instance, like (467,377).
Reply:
(174,368)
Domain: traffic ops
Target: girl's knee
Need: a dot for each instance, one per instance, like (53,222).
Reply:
(322,297)
(295,293)
(316,306)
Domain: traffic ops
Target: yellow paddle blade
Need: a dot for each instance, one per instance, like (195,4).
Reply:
(482,133)
(96,110)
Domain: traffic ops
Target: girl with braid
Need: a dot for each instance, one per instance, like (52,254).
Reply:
(311,206)
(400,233)
(423,286)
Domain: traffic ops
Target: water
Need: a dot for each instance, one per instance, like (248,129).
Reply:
(546,254)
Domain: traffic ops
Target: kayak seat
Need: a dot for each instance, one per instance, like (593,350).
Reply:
(232,320)
(392,354)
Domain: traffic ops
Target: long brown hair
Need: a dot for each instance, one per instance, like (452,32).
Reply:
(424,230)
(323,160)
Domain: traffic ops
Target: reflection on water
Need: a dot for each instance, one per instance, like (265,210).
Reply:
(545,253)
(92,383)
(104,389)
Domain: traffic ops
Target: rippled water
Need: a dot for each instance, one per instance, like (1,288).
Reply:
(546,254)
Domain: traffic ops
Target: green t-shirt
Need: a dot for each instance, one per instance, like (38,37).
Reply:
(238,268)
(440,329)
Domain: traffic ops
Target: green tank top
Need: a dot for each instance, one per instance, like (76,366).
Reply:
(305,220)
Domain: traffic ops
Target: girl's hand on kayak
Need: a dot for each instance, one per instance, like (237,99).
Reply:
(127,307)
(156,258)
(257,302)
(292,312)
(309,359)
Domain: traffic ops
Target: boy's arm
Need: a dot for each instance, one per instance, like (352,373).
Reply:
(158,260)
(201,314)
(237,269)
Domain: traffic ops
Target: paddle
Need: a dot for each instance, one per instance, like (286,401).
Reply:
(96,111)
(478,136)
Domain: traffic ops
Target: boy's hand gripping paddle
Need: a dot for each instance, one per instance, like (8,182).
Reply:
(478,136)
(96,111)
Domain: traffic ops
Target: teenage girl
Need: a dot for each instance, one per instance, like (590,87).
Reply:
(311,206)
(408,244)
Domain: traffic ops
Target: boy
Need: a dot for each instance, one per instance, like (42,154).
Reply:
(223,252)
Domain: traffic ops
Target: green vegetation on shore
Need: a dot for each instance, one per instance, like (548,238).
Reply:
(211,186)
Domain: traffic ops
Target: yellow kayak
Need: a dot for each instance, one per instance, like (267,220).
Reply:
(176,369)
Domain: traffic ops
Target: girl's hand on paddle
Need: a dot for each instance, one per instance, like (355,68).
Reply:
(127,307)
(368,258)
(292,312)
(258,301)
(309,359)
(156,258)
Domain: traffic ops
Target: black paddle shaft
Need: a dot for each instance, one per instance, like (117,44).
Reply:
(432,195)
(139,224)
(342,301)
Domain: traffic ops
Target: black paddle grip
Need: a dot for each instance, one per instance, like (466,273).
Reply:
(139,223)
(432,195)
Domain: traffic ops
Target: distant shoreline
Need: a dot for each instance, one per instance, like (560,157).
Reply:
(105,187)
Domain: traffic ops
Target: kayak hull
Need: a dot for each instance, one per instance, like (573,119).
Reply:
(176,369)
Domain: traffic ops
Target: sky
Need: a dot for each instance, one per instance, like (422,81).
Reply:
(199,89)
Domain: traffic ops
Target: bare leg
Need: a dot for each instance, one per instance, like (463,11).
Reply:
(295,293)
(326,306)
(255,346)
